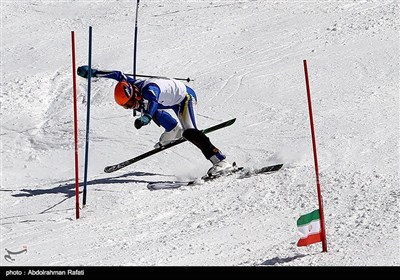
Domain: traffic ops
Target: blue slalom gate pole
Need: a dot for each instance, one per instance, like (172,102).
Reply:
(135,40)
(88,116)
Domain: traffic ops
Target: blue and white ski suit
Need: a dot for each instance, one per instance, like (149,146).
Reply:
(163,94)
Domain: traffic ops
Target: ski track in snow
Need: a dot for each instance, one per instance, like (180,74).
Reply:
(246,61)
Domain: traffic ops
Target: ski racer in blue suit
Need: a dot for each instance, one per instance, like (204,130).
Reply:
(152,97)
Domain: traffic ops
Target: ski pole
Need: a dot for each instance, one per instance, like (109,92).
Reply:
(87,118)
(106,72)
(159,77)
(135,40)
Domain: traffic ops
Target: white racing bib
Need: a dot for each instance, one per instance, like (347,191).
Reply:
(172,92)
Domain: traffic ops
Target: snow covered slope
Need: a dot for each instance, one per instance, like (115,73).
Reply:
(246,59)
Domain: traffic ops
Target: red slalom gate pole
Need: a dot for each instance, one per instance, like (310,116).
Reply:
(320,204)
(75,124)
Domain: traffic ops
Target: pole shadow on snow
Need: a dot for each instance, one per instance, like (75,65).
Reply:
(278,260)
(69,189)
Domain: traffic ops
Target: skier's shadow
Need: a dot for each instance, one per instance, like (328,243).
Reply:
(69,188)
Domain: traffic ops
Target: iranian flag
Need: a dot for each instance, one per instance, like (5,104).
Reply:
(309,227)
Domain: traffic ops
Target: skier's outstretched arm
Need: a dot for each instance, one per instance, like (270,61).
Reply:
(83,71)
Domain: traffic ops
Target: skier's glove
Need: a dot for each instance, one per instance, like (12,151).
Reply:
(83,71)
(143,120)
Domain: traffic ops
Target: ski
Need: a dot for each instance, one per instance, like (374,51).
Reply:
(118,166)
(265,169)
(243,173)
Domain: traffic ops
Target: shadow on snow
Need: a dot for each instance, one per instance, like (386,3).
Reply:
(69,189)
(277,260)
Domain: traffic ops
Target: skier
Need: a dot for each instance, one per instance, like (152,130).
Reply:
(151,97)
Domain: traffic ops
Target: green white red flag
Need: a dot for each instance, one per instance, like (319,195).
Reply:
(309,226)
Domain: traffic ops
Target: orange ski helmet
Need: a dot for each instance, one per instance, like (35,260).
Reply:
(127,95)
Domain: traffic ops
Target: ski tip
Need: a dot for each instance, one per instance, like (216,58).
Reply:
(167,185)
(275,167)
(109,169)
